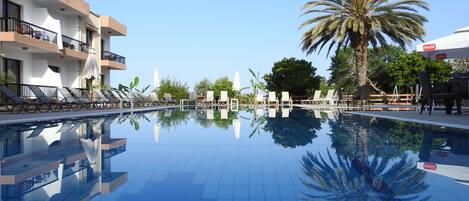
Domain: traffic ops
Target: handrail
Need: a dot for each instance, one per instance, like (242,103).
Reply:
(26,28)
(74,44)
(106,55)
(23,90)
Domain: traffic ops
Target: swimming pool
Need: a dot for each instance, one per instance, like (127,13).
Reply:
(252,154)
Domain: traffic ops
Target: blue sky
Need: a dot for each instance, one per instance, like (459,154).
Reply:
(190,40)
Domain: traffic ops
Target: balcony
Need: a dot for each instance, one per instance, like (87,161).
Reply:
(29,36)
(112,27)
(68,7)
(74,48)
(113,61)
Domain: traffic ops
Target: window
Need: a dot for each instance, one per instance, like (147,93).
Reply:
(12,10)
(55,69)
(89,38)
(11,69)
(102,79)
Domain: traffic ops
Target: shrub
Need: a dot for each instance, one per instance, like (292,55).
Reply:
(223,84)
(177,89)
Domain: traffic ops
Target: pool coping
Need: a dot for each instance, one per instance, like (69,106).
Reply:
(420,121)
(6,119)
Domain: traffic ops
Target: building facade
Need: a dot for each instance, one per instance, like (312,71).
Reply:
(47,42)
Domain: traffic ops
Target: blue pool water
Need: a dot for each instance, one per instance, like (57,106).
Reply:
(252,154)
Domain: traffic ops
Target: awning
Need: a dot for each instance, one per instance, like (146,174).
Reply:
(448,47)
(91,69)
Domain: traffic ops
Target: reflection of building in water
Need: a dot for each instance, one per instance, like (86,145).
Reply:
(446,155)
(61,160)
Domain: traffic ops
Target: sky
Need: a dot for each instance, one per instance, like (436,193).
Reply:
(190,40)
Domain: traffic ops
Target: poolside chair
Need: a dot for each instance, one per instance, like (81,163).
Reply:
(312,100)
(77,93)
(122,101)
(223,98)
(69,100)
(286,98)
(260,99)
(52,103)
(153,97)
(100,97)
(126,95)
(192,99)
(329,99)
(168,99)
(21,104)
(447,92)
(272,98)
(210,98)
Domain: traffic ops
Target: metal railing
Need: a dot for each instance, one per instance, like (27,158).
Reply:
(74,44)
(23,90)
(106,55)
(28,29)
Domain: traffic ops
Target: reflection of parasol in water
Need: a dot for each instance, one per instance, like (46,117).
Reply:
(156,132)
(237,128)
(91,149)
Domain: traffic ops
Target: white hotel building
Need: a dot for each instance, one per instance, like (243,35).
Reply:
(47,42)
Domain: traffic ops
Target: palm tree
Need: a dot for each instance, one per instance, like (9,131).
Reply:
(378,178)
(359,23)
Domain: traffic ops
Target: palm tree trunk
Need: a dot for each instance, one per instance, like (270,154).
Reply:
(361,62)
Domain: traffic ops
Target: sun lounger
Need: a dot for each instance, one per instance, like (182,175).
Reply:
(53,103)
(153,97)
(260,99)
(121,99)
(15,102)
(329,99)
(74,103)
(286,98)
(168,99)
(210,98)
(313,100)
(223,98)
(77,93)
(272,98)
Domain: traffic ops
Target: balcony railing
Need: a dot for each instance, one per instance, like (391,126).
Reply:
(74,44)
(28,29)
(106,55)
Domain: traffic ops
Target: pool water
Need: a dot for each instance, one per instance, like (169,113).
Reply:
(220,154)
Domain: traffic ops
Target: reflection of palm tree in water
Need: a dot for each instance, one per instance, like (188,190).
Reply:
(343,179)
(359,177)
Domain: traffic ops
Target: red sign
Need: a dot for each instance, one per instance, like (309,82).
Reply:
(441,56)
(429,166)
(429,47)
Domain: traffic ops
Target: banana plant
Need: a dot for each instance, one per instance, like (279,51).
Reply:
(133,86)
(257,84)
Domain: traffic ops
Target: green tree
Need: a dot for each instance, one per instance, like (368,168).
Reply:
(293,75)
(223,84)
(404,70)
(324,86)
(203,86)
(359,23)
(177,89)
(343,68)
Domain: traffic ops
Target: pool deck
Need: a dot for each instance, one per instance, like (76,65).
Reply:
(7,118)
(438,118)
